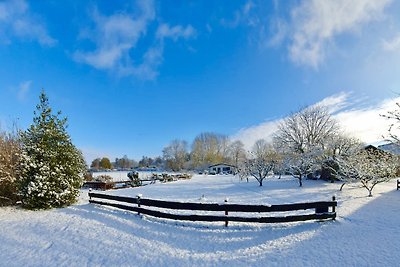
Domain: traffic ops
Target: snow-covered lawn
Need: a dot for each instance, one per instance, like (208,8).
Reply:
(366,232)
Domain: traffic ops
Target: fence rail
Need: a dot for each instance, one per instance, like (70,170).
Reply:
(320,208)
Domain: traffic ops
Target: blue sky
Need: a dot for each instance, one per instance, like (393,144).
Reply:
(133,75)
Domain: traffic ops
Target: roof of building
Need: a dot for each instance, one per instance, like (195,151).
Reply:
(221,164)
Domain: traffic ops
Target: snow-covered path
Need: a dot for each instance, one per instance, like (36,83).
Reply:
(366,233)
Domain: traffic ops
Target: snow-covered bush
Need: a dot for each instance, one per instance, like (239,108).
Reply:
(367,167)
(103,178)
(52,167)
(9,162)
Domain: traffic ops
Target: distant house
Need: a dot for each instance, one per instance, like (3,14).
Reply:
(221,168)
(390,148)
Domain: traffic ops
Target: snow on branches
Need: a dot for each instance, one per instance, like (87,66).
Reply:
(369,167)
(52,167)
(261,162)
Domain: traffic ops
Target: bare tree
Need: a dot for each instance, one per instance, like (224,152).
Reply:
(237,153)
(261,162)
(303,138)
(394,129)
(302,165)
(176,155)
(304,130)
(367,167)
(10,159)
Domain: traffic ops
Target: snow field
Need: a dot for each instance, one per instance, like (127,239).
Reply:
(366,232)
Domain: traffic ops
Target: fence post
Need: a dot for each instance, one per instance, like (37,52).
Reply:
(333,207)
(226,212)
(398,184)
(138,201)
(90,191)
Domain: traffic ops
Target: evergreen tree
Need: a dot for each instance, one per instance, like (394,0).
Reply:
(52,167)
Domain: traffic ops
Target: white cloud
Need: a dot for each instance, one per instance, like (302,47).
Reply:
(393,44)
(367,124)
(315,24)
(242,16)
(280,29)
(165,31)
(16,21)
(250,135)
(336,102)
(116,37)
(23,90)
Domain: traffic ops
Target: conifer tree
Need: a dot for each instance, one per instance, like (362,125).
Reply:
(52,167)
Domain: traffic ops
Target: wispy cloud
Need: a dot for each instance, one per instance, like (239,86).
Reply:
(393,44)
(16,21)
(315,24)
(175,32)
(116,37)
(23,90)
(242,16)
(365,123)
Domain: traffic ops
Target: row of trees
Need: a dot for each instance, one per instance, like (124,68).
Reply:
(125,163)
(310,143)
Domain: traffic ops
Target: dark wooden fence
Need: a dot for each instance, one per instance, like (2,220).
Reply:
(398,184)
(321,210)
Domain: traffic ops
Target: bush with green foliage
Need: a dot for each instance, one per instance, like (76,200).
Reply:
(52,167)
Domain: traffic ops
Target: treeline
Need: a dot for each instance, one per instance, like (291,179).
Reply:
(307,144)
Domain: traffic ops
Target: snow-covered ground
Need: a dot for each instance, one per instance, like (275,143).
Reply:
(366,232)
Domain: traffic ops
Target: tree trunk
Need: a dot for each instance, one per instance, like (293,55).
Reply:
(300,181)
(342,186)
(260,181)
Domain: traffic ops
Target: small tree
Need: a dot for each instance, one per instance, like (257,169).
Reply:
(302,165)
(367,167)
(52,167)
(261,162)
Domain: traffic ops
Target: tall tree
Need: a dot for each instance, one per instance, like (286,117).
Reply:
(306,130)
(52,167)
(176,155)
(95,164)
(237,153)
(303,138)
(105,163)
(209,148)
